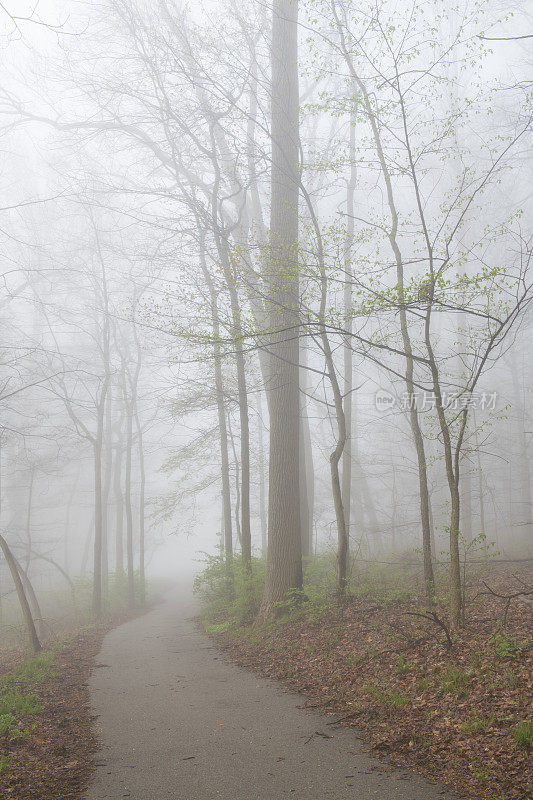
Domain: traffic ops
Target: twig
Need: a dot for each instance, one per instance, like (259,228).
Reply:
(437,620)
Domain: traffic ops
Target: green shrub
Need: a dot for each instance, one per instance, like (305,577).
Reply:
(231,592)
(295,603)
(214,628)
(505,646)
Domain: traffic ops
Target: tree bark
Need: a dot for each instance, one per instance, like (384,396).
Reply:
(28,519)
(119,506)
(32,598)
(262,481)
(142,491)
(26,611)
(348,324)
(307,478)
(127,500)
(284,560)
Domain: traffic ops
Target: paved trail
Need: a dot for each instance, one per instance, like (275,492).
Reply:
(178,723)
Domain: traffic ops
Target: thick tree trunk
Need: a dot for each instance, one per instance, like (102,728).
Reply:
(284,560)
(24,605)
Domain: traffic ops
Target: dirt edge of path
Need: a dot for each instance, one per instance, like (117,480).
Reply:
(55,755)
(300,655)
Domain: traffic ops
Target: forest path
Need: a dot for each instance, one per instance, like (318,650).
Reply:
(176,722)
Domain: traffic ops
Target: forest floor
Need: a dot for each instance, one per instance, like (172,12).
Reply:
(47,743)
(457,711)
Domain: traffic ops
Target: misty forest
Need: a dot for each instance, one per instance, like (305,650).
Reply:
(266,363)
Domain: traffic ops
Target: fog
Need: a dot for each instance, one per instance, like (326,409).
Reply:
(263,292)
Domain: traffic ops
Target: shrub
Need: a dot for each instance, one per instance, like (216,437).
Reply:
(505,646)
(232,592)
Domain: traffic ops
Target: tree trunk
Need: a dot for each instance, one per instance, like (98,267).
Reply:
(119,507)
(406,339)
(525,516)
(128,504)
(108,468)
(348,324)
(142,491)
(26,612)
(32,598)
(262,481)
(456,598)
(221,410)
(28,520)
(307,479)
(237,335)
(284,560)
(237,483)
(97,552)
(72,495)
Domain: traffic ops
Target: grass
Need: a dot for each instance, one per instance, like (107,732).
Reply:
(7,721)
(454,681)
(214,628)
(403,666)
(523,735)
(13,702)
(477,724)
(387,695)
(17,696)
(33,672)
(5,763)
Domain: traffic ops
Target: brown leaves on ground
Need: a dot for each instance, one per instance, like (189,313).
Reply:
(449,714)
(54,759)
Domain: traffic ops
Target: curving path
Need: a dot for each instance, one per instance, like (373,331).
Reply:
(176,722)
